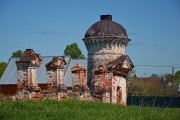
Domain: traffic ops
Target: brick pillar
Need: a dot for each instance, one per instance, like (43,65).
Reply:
(79,80)
(55,73)
(55,77)
(27,73)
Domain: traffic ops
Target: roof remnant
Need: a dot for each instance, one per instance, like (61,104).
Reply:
(78,67)
(55,63)
(29,58)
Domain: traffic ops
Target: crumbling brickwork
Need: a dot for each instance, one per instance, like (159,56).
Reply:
(101,84)
(110,82)
(79,83)
(55,77)
(55,73)
(26,73)
(120,69)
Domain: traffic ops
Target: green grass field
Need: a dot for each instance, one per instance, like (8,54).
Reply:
(82,110)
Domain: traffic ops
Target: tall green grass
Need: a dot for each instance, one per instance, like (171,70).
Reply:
(78,110)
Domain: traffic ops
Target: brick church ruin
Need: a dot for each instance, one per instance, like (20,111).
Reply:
(108,65)
(101,77)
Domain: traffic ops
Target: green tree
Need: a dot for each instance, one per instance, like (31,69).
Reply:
(74,51)
(3,66)
(177,75)
(177,80)
(18,53)
(154,75)
(170,84)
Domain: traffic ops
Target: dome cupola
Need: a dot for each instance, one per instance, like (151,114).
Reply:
(106,28)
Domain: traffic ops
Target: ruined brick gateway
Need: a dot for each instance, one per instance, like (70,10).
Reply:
(108,67)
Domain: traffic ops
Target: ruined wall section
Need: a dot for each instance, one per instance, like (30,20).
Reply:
(51,76)
(110,80)
(101,83)
(55,78)
(119,93)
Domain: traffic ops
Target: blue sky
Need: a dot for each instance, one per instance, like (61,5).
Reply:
(48,26)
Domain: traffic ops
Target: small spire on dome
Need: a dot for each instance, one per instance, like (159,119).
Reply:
(106,17)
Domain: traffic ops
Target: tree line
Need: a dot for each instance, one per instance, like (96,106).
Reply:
(155,85)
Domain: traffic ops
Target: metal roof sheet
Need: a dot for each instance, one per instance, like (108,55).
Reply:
(68,74)
(9,76)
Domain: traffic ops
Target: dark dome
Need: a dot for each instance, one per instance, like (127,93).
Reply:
(106,27)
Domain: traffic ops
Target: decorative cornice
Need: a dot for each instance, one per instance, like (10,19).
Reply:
(56,63)
(78,68)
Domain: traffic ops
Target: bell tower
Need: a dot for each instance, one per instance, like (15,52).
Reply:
(105,41)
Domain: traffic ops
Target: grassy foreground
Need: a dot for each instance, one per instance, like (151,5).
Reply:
(81,110)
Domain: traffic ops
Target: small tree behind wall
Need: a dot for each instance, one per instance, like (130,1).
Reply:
(74,51)
(18,53)
(3,66)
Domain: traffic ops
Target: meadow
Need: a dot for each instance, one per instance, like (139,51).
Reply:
(82,110)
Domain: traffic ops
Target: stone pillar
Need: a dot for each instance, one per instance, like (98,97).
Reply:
(27,73)
(55,74)
(79,82)
(55,78)
(119,93)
